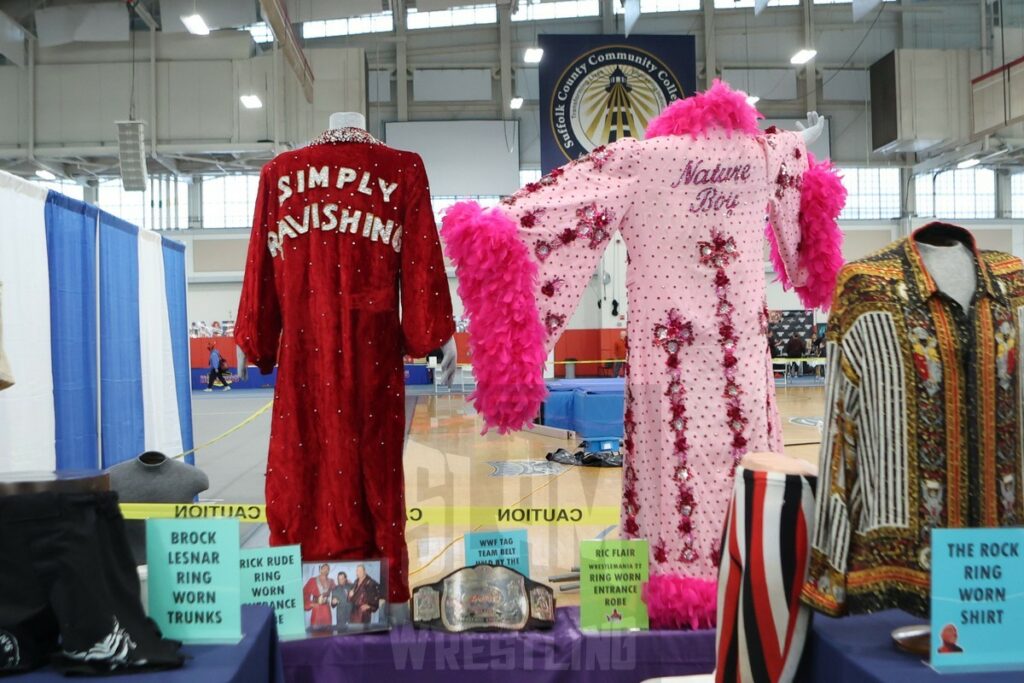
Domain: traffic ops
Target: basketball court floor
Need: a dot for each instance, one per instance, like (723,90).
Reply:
(458,480)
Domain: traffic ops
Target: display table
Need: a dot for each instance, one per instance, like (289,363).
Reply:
(859,650)
(561,654)
(254,660)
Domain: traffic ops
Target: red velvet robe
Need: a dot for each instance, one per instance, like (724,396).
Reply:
(343,234)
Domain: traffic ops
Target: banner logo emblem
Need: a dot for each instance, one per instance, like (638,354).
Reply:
(608,94)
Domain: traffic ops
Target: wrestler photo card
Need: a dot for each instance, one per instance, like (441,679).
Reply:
(342,597)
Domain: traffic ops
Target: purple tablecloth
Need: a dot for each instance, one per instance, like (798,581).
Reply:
(859,650)
(560,655)
(254,660)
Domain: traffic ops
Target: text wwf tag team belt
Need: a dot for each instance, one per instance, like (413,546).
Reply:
(485,597)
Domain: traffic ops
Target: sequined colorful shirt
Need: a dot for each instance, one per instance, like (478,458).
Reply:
(922,424)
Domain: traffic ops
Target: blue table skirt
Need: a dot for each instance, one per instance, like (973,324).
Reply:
(562,655)
(859,649)
(257,659)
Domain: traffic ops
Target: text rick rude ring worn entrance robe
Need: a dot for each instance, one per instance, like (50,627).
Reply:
(343,234)
(690,202)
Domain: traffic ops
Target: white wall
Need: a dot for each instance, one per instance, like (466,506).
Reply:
(211,301)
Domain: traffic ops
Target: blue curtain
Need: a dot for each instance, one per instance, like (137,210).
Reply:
(174,277)
(71,249)
(123,428)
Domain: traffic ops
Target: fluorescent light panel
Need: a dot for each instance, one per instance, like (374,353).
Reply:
(803,56)
(516,103)
(45,175)
(968,163)
(251,101)
(195,25)
(533,55)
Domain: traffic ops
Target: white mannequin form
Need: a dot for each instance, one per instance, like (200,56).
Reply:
(449,352)
(347,119)
(815,125)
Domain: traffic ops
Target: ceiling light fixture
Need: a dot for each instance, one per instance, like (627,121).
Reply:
(533,55)
(516,103)
(753,100)
(803,56)
(968,163)
(195,25)
(251,101)
(45,175)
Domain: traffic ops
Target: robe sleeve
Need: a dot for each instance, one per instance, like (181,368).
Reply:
(523,267)
(426,300)
(803,211)
(258,327)
(835,512)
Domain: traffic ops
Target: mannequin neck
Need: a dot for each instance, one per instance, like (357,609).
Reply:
(347,119)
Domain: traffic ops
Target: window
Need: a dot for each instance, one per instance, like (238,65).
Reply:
(742,4)
(529,175)
(961,193)
(873,193)
(561,9)
(655,6)
(455,16)
(370,23)
(65,187)
(228,201)
(1017,195)
(164,206)
(260,32)
(841,2)
(442,203)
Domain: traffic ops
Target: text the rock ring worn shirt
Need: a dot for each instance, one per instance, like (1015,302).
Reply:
(343,235)
(922,424)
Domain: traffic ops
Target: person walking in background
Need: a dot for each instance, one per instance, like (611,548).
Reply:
(217,368)
(620,354)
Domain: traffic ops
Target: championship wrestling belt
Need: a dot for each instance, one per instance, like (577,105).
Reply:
(485,597)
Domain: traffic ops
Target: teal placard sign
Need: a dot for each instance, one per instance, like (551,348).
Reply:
(194,579)
(977,600)
(508,548)
(273,576)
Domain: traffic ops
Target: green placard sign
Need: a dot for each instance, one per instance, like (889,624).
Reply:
(273,576)
(194,591)
(612,574)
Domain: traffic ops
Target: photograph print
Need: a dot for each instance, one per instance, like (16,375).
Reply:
(345,596)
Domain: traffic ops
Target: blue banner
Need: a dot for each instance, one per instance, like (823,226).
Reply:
(124,431)
(71,251)
(174,276)
(598,89)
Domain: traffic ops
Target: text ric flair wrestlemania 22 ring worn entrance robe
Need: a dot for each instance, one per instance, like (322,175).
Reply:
(690,202)
(923,424)
(343,232)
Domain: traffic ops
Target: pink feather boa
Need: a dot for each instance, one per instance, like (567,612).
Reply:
(718,107)
(680,602)
(822,197)
(497,283)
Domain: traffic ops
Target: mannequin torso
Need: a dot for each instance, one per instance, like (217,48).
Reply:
(953,270)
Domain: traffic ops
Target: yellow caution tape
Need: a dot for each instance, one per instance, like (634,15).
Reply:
(514,515)
(243,512)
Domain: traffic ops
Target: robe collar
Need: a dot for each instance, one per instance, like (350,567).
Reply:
(718,108)
(340,135)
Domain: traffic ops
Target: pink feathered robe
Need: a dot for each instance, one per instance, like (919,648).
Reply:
(690,202)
